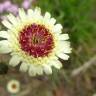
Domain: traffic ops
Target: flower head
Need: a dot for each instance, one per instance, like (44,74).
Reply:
(13,86)
(35,41)
(1,8)
(26,4)
(6,4)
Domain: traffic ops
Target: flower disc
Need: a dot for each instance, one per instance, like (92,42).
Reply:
(36,40)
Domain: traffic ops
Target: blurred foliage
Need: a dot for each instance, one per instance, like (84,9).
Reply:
(3,68)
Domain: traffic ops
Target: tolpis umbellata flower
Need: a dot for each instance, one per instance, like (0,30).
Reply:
(13,86)
(35,41)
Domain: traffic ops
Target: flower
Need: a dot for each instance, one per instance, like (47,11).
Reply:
(7,6)
(1,8)
(13,9)
(35,41)
(26,4)
(13,86)
(4,6)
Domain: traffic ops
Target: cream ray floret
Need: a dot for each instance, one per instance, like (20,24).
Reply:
(35,41)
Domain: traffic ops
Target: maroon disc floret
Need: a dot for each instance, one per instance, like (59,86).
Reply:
(36,40)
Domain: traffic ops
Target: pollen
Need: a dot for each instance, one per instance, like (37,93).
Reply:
(36,40)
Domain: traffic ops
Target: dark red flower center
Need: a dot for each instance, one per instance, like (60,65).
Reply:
(36,40)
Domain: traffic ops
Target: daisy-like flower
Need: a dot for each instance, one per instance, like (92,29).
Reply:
(13,86)
(35,41)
